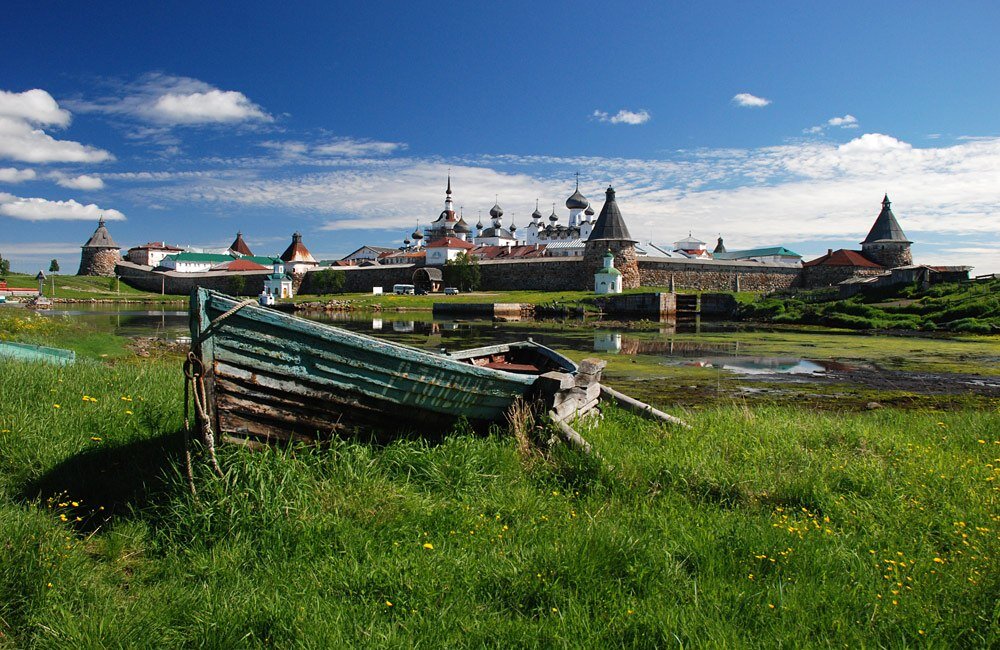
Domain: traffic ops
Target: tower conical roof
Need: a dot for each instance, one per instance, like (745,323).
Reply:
(610,224)
(720,247)
(296,251)
(101,238)
(886,228)
(240,246)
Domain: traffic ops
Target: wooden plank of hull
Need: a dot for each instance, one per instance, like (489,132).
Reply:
(276,376)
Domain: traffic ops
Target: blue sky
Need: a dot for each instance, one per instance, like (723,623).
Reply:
(780,124)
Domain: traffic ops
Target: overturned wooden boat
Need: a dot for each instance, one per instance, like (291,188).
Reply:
(267,375)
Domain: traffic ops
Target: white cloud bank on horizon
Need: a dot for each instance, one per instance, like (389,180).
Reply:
(169,100)
(21,137)
(801,192)
(35,209)
(747,100)
(624,116)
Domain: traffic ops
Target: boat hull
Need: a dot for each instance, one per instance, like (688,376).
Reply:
(274,376)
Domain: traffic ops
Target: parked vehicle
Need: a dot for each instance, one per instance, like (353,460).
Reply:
(403,289)
(451,291)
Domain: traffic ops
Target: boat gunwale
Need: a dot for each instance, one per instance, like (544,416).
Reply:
(204,300)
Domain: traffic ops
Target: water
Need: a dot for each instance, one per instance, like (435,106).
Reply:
(421,329)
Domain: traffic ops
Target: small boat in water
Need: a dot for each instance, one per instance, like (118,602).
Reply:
(268,376)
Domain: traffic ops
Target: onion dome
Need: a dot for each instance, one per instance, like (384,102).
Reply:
(417,235)
(513,228)
(496,211)
(537,214)
(479,225)
(577,201)
(462,227)
(589,211)
(406,242)
(553,217)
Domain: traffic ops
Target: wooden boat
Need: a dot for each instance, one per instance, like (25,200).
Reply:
(273,376)
(40,353)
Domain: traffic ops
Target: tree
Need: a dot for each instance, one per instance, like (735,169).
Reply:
(54,266)
(4,266)
(326,281)
(237,284)
(462,272)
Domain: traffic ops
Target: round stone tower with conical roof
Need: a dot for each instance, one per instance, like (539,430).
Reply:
(100,254)
(886,244)
(611,234)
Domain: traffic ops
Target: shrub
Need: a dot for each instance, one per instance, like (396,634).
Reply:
(327,281)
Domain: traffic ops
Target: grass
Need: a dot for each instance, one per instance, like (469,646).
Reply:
(79,287)
(970,308)
(25,326)
(772,526)
(388,301)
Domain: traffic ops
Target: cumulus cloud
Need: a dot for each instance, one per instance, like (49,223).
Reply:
(36,209)
(21,137)
(750,101)
(169,100)
(33,106)
(81,182)
(624,116)
(847,121)
(13,175)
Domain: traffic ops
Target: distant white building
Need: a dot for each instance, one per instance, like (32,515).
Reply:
(445,249)
(277,285)
(151,253)
(608,279)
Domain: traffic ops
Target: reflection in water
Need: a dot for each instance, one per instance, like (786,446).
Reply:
(762,365)
(421,330)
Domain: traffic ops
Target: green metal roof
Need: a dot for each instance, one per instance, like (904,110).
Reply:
(266,260)
(756,252)
(200,257)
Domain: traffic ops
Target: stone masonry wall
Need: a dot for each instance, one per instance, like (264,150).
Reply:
(99,261)
(889,255)
(716,275)
(825,276)
(543,274)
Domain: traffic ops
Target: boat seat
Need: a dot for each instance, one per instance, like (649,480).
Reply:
(525,368)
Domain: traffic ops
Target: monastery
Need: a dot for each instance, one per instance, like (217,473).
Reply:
(545,256)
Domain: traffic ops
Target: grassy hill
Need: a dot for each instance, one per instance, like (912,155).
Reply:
(87,287)
(972,308)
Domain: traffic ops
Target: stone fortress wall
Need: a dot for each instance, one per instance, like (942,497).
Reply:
(540,274)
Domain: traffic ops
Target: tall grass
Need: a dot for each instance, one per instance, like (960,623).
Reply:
(759,527)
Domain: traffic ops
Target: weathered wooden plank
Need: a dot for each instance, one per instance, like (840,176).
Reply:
(641,408)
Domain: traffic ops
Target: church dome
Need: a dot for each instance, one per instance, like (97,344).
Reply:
(417,235)
(589,211)
(496,211)
(577,201)
(462,227)
(553,217)
(537,214)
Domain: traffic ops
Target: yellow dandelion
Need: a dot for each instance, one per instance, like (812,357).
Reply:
(388,603)
(770,605)
(95,438)
(429,546)
(56,406)
(75,504)
(128,412)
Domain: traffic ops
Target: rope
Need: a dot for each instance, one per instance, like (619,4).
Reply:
(240,305)
(194,371)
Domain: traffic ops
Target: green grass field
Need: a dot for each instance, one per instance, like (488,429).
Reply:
(760,527)
(87,287)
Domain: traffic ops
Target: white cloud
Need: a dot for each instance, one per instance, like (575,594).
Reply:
(13,175)
(750,101)
(624,116)
(35,209)
(168,100)
(20,138)
(33,106)
(81,182)
(305,153)
(846,122)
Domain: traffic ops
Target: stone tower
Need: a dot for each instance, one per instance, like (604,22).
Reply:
(100,254)
(886,244)
(611,234)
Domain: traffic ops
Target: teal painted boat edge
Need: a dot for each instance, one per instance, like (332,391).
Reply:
(30,352)
(206,299)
